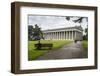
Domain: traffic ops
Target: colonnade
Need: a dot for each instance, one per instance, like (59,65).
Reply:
(60,35)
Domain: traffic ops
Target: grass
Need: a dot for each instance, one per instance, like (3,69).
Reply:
(85,46)
(33,53)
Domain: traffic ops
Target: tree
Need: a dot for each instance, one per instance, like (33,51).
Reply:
(86,31)
(37,33)
(30,32)
(80,20)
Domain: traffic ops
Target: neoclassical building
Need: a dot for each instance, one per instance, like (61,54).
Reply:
(69,33)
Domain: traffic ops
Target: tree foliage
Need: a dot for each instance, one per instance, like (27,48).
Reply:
(86,36)
(30,32)
(79,20)
(35,33)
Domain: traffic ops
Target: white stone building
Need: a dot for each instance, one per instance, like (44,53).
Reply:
(69,33)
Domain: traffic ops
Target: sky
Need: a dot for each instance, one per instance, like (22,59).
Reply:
(53,22)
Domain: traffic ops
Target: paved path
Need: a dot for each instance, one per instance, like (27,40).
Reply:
(73,50)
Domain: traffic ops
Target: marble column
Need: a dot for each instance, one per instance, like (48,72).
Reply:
(51,35)
(72,34)
(47,35)
(59,35)
(75,34)
(64,35)
(54,35)
(69,35)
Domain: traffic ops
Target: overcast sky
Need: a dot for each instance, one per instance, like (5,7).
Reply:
(52,22)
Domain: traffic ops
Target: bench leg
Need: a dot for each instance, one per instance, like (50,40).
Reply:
(38,47)
(50,47)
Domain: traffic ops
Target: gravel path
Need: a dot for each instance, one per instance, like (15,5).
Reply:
(70,51)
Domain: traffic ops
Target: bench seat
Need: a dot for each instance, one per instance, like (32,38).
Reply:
(40,46)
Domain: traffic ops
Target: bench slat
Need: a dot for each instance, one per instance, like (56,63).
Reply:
(39,46)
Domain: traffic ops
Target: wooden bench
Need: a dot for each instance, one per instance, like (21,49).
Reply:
(40,46)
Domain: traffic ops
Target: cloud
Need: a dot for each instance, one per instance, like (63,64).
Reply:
(52,22)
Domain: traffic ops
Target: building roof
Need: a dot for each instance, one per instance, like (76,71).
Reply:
(75,27)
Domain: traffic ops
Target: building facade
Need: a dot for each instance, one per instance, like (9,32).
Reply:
(70,33)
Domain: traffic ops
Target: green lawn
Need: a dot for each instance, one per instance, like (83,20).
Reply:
(33,53)
(85,45)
